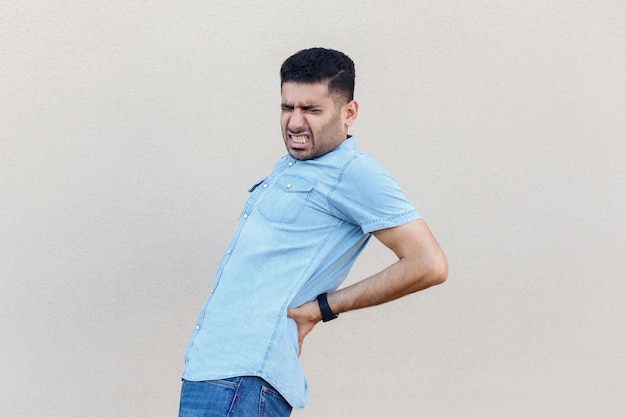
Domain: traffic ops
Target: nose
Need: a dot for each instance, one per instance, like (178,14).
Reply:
(296,121)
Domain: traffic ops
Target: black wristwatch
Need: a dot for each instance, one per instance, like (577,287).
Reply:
(327,313)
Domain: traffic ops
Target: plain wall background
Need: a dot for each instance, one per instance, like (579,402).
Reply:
(131,130)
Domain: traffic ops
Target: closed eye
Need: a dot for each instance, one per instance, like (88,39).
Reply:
(311,108)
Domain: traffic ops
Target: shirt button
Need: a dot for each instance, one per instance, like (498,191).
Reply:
(264,185)
(212,291)
(229,251)
(290,163)
(288,185)
(245,216)
(197,327)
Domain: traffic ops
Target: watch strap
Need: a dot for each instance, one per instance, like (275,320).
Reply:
(327,313)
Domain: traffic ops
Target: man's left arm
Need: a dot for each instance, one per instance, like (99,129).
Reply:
(421,264)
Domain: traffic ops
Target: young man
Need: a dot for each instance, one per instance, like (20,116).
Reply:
(298,235)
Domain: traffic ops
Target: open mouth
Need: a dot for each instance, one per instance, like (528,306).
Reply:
(300,139)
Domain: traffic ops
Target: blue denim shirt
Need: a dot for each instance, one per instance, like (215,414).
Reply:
(298,235)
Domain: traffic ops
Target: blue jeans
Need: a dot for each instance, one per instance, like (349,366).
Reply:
(232,397)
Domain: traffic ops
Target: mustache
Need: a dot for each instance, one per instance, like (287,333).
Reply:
(298,132)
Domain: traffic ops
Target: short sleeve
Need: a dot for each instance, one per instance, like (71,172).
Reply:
(367,195)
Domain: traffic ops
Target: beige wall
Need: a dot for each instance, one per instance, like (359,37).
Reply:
(130,131)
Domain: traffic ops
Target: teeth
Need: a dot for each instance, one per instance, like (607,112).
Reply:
(300,139)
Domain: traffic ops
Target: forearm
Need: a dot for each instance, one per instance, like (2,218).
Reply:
(403,277)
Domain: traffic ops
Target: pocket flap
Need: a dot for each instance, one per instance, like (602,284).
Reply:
(295,184)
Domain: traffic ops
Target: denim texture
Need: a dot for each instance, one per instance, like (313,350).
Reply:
(299,233)
(232,397)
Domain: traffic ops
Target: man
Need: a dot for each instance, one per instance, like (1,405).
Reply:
(298,235)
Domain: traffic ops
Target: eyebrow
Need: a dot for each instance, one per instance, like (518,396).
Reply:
(305,107)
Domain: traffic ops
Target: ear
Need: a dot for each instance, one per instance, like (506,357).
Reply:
(350,112)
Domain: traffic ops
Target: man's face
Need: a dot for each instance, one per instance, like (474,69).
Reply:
(312,121)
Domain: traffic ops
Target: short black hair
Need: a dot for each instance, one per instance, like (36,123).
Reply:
(314,65)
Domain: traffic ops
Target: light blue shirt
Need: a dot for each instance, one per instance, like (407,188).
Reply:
(298,235)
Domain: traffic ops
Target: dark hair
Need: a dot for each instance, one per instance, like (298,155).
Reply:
(314,65)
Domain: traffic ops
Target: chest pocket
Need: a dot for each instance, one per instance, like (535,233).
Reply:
(285,200)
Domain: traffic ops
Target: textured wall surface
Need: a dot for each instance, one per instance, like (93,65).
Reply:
(131,130)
